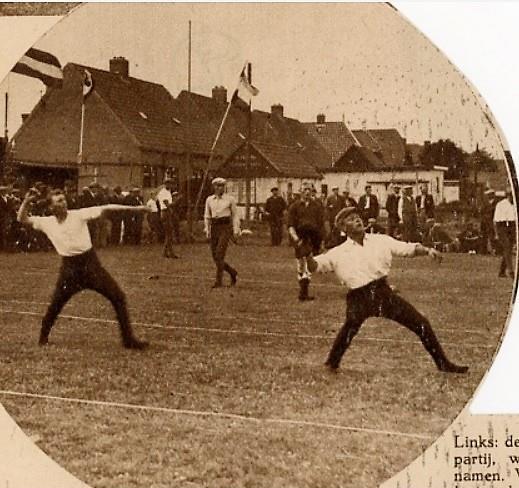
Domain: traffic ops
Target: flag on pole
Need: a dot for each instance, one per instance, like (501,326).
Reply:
(88,84)
(246,85)
(41,65)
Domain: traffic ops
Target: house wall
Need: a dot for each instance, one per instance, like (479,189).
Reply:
(236,188)
(451,191)
(381,181)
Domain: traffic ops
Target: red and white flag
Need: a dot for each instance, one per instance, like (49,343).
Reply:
(88,84)
(41,65)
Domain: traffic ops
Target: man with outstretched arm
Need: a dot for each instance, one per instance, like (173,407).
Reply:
(362,263)
(80,267)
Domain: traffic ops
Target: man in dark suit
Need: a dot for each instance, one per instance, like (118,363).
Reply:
(368,205)
(334,204)
(424,206)
(4,214)
(408,215)
(275,207)
(393,220)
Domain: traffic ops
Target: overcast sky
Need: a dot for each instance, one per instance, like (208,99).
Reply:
(360,62)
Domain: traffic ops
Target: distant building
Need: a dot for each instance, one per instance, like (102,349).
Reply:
(271,166)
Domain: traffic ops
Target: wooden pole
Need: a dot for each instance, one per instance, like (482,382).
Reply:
(248,164)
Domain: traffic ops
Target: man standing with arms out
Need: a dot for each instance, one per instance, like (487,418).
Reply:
(424,206)
(305,228)
(393,220)
(80,268)
(368,205)
(334,204)
(504,222)
(165,202)
(408,215)
(275,207)
(221,222)
(362,263)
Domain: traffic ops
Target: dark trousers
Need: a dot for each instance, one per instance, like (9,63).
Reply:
(221,233)
(276,231)
(85,272)
(393,223)
(378,300)
(167,224)
(115,232)
(506,238)
(310,236)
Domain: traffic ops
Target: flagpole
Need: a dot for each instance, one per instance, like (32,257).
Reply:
(211,153)
(81,131)
(6,130)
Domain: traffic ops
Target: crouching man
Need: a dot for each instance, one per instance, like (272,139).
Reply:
(362,263)
(80,267)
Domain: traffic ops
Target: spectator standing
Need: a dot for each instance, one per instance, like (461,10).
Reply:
(275,207)
(393,219)
(408,215)
(368,205)
(505,224)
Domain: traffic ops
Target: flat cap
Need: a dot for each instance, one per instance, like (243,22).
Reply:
(345,212)
(218,181)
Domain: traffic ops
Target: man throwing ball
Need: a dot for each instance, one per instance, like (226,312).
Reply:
(80,267)
(362,263)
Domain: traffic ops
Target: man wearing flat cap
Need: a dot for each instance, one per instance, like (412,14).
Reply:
(275,207)
(221,223)
(487,210)
(166,208)
(393,219)
(306,230)
(362,263)
(408,215)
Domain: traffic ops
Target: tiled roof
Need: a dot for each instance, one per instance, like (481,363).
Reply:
(143,107)
(359,158)
(333,136)
(288,161)
(386,142)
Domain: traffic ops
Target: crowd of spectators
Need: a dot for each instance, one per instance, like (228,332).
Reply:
(119,228)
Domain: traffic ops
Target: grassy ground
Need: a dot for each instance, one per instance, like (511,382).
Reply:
(253,351)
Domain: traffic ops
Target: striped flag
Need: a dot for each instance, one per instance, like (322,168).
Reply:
(88,84)
(41,65)
(245,84)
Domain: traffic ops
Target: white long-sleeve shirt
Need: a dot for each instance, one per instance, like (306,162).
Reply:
(220,207)
(505,211)
(70,237)
(357,265)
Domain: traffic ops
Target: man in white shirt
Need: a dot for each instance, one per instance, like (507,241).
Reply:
(221,223)
(80,268)
(362,263)
(165,199)
(504,223)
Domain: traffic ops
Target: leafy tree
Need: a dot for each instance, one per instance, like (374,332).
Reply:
(445,153)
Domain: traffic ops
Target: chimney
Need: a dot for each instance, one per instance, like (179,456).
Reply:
(119,66)
(220,94)
(277,109)
(25,116)
(321,118)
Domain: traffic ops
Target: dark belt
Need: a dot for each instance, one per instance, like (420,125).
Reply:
(79,258)
(221,221)
(505,223)
(369,288)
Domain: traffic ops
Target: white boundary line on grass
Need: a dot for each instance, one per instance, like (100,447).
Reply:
(236,331)
(231,416)
(248,318)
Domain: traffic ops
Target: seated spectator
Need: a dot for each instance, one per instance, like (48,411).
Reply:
(436,236)
(471,240)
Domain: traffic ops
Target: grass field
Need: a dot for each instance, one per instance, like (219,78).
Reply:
(238,371)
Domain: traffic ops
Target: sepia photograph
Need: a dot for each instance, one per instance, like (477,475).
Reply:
(244,245)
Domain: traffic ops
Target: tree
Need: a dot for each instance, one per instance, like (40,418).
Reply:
(445,153)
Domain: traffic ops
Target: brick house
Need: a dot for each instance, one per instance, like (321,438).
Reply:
(131,136)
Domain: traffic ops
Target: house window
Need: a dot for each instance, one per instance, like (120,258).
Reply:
(324,190)
(149,177)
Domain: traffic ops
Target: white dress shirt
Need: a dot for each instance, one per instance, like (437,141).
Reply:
(70,237)
(356,265)
(220,207)
(505,211)
(164,195)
